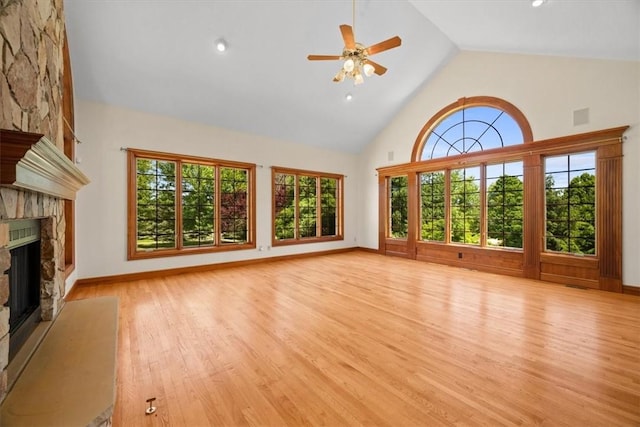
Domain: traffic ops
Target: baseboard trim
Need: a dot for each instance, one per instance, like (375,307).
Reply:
(128,277)
(631,290)
(370,250)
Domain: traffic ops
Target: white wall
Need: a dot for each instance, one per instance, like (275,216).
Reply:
(101,206)
(547,90)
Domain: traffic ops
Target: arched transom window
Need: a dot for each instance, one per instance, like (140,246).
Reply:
(471,125)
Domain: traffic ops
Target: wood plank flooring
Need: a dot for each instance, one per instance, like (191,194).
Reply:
(362,339)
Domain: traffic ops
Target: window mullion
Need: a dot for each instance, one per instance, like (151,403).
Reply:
(318,207)
(217,197)
(178,202)
(297,210)
(447,206)
(483,205)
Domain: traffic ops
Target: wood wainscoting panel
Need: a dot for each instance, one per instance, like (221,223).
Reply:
(498,261)
(609,217)
(570,270)
(397,247)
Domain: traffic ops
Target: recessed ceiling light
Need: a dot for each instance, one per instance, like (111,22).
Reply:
(348,97)
(537,3)
(221,45)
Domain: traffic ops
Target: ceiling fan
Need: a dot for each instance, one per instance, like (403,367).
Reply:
(356,56)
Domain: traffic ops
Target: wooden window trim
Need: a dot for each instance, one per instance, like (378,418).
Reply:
(134,254)
(339,209)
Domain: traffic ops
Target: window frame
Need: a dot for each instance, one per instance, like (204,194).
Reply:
(133,253)
(389,208)
(448,207)
(568,154)
(445,207)
(339,208)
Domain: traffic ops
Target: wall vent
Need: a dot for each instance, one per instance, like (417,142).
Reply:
(23,231)
(581,117)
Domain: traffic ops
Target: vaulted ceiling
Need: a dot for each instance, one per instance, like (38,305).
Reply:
(158,56)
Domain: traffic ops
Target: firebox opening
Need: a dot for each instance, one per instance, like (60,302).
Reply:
(24,282)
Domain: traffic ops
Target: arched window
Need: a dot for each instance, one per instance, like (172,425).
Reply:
(480,193)
(470,125)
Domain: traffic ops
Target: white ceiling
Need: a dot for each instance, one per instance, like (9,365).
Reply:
(158,56)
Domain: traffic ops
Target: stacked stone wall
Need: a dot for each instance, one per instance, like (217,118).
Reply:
(31,69)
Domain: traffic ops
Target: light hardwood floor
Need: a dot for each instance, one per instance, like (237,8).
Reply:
(361,339)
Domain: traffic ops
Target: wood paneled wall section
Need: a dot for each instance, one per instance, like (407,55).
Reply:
(609,216)
(69,151)
(533,217)
(603,271)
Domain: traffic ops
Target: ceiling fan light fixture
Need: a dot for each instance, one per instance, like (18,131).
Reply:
(348,65)
(368,69)
(355,55)
(537,3)
(357,78)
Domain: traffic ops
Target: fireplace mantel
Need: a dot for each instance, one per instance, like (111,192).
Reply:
(30,161)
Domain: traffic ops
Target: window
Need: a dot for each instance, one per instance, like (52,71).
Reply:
(198,200)
(465,205)
(484,195)
(307,206)
(472,129)
(503,217)
(504,183)
(183,204)
(156,204)
(433,214)
(570,183)
(398,201)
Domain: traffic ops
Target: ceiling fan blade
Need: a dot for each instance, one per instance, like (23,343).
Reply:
(385,45)
(378,69)
(322,57)
(347,35)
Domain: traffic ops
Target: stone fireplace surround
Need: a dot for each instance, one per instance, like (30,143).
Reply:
(35,178)
(16,204)
(35,95)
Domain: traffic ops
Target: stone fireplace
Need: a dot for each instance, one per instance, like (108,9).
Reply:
(20,205)
(35,179)
(36,96)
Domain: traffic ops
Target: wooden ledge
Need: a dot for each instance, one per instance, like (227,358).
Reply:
(70,380)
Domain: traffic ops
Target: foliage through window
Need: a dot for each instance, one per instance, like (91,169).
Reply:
(156,206)
(570,183)
(433,218)
(465,205)
(505,204)
(307,206)
(480,204)
(198,198)
(398,210)
(182,204)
